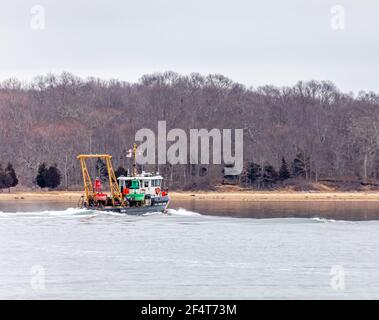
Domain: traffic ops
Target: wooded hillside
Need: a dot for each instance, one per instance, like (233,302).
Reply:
(333,135)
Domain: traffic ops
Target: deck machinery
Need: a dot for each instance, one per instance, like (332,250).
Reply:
(94,198)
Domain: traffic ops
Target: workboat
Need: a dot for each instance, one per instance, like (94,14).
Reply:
(135,194)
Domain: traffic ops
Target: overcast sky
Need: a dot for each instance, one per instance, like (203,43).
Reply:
(254,42)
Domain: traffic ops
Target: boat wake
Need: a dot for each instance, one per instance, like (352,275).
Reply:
(152,214)
(174,212)
(56,213)
(323,220)
(79,212)
(182,212)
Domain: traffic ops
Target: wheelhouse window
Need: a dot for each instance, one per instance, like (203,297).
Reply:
(156,182)
(125,183)
(135,184)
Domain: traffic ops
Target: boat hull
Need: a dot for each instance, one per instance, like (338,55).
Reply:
(160,206)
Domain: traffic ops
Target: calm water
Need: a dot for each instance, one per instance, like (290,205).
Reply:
(58,253)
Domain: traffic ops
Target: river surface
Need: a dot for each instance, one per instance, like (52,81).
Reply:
(200,250)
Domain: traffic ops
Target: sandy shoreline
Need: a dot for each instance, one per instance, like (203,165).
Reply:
(274,196)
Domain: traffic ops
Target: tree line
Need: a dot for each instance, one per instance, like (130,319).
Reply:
(333,135)
(267,176)
(47,177)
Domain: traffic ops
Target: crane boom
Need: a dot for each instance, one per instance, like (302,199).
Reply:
(87,181)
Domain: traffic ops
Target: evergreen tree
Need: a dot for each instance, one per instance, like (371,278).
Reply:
(254,172)
(121,171)
(53,177)
(42,176)
(9,170)
(270,176)
(5,179)
(8,177)
(2,176)
(284,173)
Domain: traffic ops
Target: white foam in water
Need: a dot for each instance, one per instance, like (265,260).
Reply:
(323,219)
(66,212)
(152,213)
(170,212)
(84,212)
(174,212)
(182,212)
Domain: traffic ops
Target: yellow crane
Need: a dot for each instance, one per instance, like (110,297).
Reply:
(90,194)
